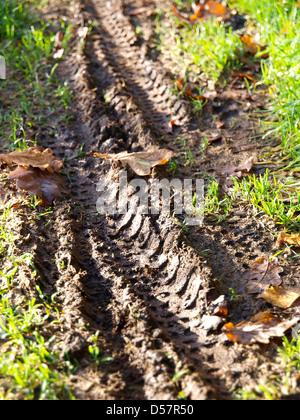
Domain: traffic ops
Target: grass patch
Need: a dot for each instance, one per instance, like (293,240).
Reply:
(277,387)
(273,197)
(278,24)
(30,363)
(206,48)
(34,90)
(30,366)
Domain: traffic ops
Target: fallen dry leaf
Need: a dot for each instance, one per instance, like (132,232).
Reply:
(288,239)
(239,170)
(211,322)
(141,162)
(216,312)
(197,9)
(264,273)
(129,104)
(45,185)
(37,157)
(280,297)
(192,90)
(183,17)
(247,75)
(252,46)
(3,194)
(58,51)
(203,12)
(189,89)
(260,328)
(217,9)
(81,32)
(220,307)
(36,172)
(168,127)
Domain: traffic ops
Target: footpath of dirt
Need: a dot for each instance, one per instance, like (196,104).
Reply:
(140,281)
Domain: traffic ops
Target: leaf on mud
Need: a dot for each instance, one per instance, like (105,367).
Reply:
(37,157)
(220,307)
(168,127)
(3,195)
(217,9)
(288,239)
(142,162)
(192,90)
(264,273)
(211,322)
(181,16)
(251,45)
(260,328)
(43,184)
(248,76)
(129,104)
(58,51)
(239,170)
(81,32)
(216,312)
(197,9)
(280,297)
(203,12)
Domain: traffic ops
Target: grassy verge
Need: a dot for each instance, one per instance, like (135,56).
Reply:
(209,50)
(30,364)
(278,24)
(206,49)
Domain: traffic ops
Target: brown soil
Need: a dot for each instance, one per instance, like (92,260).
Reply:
(140,281)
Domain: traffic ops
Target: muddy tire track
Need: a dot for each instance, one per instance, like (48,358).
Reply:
(155,263)
(115,263)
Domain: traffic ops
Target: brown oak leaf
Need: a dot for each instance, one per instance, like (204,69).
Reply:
(263,274)
(141,162)
(280,297)
(239,170)
(260,328)
(36,157)
(288,239)
(45,185)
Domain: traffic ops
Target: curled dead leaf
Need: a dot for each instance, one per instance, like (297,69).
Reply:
(141,162)
(288,239)
(180,16)
(217,9)
(197,9)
